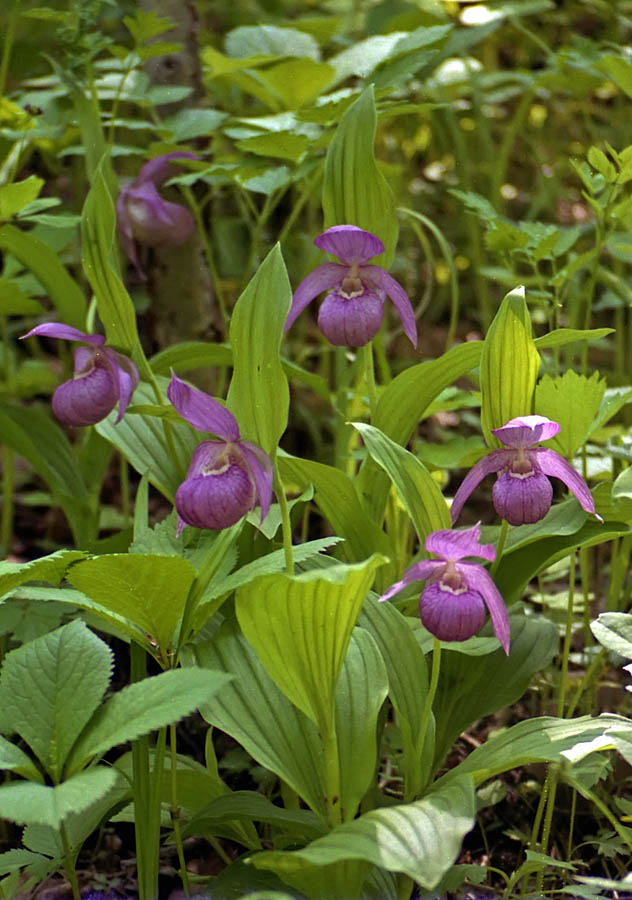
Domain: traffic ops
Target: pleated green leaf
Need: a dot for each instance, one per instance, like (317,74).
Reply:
(26,803)
(38,258)
(541,739)
(614,631)
(471,687)
(149,591)
(145,706)
(259,395)
(355,192)
(50,687)
(402,405)
(509,366)
(559,337)
(100,261)
(416,488)
(408,684)
(336,496)
(254,711)
(420,839)
(360,692)
(300,627)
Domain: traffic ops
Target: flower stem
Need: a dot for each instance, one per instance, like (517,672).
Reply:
(369,375)
(286,524)
(332,769)
(502,538)
(413,788)
(69,863)
(208,255)
(175,810)
(561,694)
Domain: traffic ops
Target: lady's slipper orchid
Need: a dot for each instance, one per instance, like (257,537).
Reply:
(351,313)
(143,216)
(227,478)
(452,605)
(101,379)
(523,493)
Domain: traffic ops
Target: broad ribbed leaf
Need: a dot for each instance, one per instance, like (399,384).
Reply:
(355,192)
(100,262)
(561,336)
(145,706)
(509,366)
(471,687)
(336,497)
(254,711)
(300,628)
(149,591)
(416,488)
(614,631)
(251,806)
(12,759)
(26,803)
(420,839)
(408,684)
(400,408)
(190,355)
(50,687)
(361,690)
(259,395)
(141,439)
(542,739)
(35,255)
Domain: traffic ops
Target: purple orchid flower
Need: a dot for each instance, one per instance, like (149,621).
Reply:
(227,478)
(523,493)
(452,605)
(143,216)
(351,313)
(101,379)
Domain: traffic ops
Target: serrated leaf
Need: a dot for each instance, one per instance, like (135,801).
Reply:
(12,759)
(300,627)
(269,40)
(38,804)
(417,490)
(50,568)
(149,591)
(296,83)
(355,192)
(571,400)
(14,197)
(420,839)
(49,689)
(509,366)
(283,145)
(254,711)
(360,692)
(259,396)
(194,123)
(146,706)
(38,258)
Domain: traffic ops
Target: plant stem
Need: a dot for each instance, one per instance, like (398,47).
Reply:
(369,376)
(208,255)
(69,863)
(332,769)
(502,539)
(6,524)
(7,47)
(286,524)
(175,810)
(552,779)
(561,693)
(140,783)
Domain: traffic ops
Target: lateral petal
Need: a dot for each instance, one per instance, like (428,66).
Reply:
(480,579)
(321,279)
(418,572)
(380,278)
(493,462)
(67,332)
(552,464)
(203,412)
(262,471)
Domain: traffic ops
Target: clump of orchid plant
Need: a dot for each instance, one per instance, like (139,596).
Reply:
(352,311)
(226,478)
(452,604)
(144,217)
(523,493)
(101,379)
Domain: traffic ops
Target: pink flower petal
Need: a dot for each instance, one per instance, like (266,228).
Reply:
(493,462)
(126,377)
(378,277)
(455,545)
(449,616)
(351,321)
(522,499)
(418,572)
(203,412)
(350,244)
(480,579)
(321,279)
(57,330)
(525,431)
(159,169)
(551,463)
(262,471)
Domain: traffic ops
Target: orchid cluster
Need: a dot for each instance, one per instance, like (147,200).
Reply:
(228,477)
